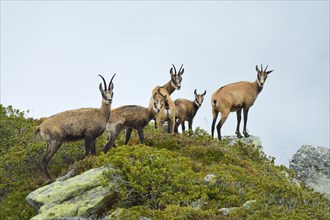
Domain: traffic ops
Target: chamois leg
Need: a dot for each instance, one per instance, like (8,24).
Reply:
(141,135)
(177,123)
(90,146)
(245,112)
(168,126)
(155,123)
(159,124)
(171,124)
(128,134)
(239,117)
(52,148)
(215,116)
(190,124)
(224,116)
(183,127)
(111,141)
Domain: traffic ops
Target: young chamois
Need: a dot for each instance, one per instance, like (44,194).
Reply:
(185,110)
(72,125)
(131,117)
(168,88)
(167,112)
(235,97)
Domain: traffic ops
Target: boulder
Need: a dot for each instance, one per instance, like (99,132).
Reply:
(312,166)
(251,140)
(82,196)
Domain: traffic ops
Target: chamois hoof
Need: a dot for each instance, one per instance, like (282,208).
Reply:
(246,135)
(239,135)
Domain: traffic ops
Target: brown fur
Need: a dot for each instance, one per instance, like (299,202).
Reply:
(167,112)
(236,97)
(166,90)
(72,125)
(127,118)
(186,110)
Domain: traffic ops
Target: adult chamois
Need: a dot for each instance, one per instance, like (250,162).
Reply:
(236,97)
(72,125)
(166,90)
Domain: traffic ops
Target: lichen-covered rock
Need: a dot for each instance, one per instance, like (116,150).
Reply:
(312,166)
(249,204)
(251,140)
(81,196)
(210,178)
(227,211)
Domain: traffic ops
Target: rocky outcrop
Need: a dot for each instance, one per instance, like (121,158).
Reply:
(80,197)
(312,166)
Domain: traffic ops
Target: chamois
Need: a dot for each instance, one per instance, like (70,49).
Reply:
(167,112)
(168,88)
(131,117)
(185,110)
(174,83)
(72,125)
(235,97)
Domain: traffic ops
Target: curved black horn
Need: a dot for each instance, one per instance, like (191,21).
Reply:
(195,92)
(261,68)
(111,81)
(266,68)
(174,69)
(180,68)
(105,84)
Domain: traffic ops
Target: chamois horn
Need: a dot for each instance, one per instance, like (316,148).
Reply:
(266,68)
(111,81)
(180,68)
(105,84)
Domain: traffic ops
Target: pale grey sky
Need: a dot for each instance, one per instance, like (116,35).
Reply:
(52,52)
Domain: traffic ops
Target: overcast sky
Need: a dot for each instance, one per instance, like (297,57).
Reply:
(52,52)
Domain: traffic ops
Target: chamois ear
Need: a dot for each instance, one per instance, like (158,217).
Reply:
(171,71)
(100,87)
(204,93)
(173,68)
(195,92)
(110,86)
(269,71)
(257,68)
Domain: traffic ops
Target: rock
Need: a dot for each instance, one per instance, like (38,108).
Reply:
(293,180)
(284,173)
(312,166)
(249,204)
(296,182)
(227,211)
(253,140)
(80,197)
(209,178)
(115,215)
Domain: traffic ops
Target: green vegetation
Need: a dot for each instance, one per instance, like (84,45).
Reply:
(163,179)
